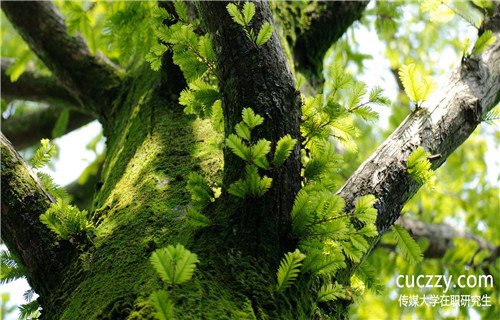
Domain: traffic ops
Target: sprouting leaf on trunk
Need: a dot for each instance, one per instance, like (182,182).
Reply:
(283,149)
(251,119)
(175,265)
(483,42)
(419,166)
(248,11)
(43,154)
(289,269)
(265,33)
(235,14)
(417,87)
(181,10)
(239,148)
(162,304)
(197,219)
(331,292)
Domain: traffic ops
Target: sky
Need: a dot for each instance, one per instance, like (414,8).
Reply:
(74,157)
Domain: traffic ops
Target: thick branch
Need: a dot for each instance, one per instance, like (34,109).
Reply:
(258,77)
(441,237)
(91,79)
(35,87)
(23,201)
(28,129)
(328,23)
(440,126)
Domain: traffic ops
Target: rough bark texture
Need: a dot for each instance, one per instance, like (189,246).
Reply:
(28,129)
(90,79)
(440,126)
(259,78)
(23,201)
(151,149)
(328,22)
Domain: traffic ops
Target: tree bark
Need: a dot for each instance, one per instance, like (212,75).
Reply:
(151,149)
(90,79)
(259,78)
(23,201)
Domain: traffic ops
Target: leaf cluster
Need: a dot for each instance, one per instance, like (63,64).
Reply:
(67,221)
(255,155)
(175,265)
(417,87)
(409,248)
(243,17)
(419,166)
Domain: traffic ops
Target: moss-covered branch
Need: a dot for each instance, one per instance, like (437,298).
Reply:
(23,201)
(90,79)
(32,86)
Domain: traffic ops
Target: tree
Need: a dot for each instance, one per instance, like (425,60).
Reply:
(244,184)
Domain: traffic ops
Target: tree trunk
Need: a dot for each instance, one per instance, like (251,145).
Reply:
(152,147)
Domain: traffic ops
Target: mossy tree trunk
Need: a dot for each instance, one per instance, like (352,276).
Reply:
(152,147)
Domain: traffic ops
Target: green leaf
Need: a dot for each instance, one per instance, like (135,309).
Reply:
(201,194)
(181,10)
(162,304)
(251,119)
(411,81)
(29,310)
(485,4)
(261,149)
(465,46)
(441,14)
(205,48)
(492,115)
(175,265)
(61,124)
(364,210)
(369,277)
(409,248)
(359,242)
(43,154)
(265,33)
(319,263)
(366,113)
(11,268)
(356,94)
(484,41)
(351,252)
(283,149)
(330,292)
(369,230)
(196,219)
(238,147)
(419,166)
(377,97)
(235,14)
(242,131)
(248,11)
(16,69)
(239,188)
(289,269)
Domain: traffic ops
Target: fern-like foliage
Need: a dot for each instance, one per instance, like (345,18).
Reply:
(30,310)
(331,292)
(252,184)
(175,265)
(201,193)
(243,16)
(48,183)
(409,248)
(493,115)
(43,154)
(417,87)
(197,219)
(164,307)
(283,149)
(11,268)
(419,166)
(483,42)
(289,269)
(367,274)
(67,221)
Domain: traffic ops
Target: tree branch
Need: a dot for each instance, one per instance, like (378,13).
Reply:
(441,237)
(35,87)
(23,201)
(28,129)
(91,79)
(440,126)
(328,23)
